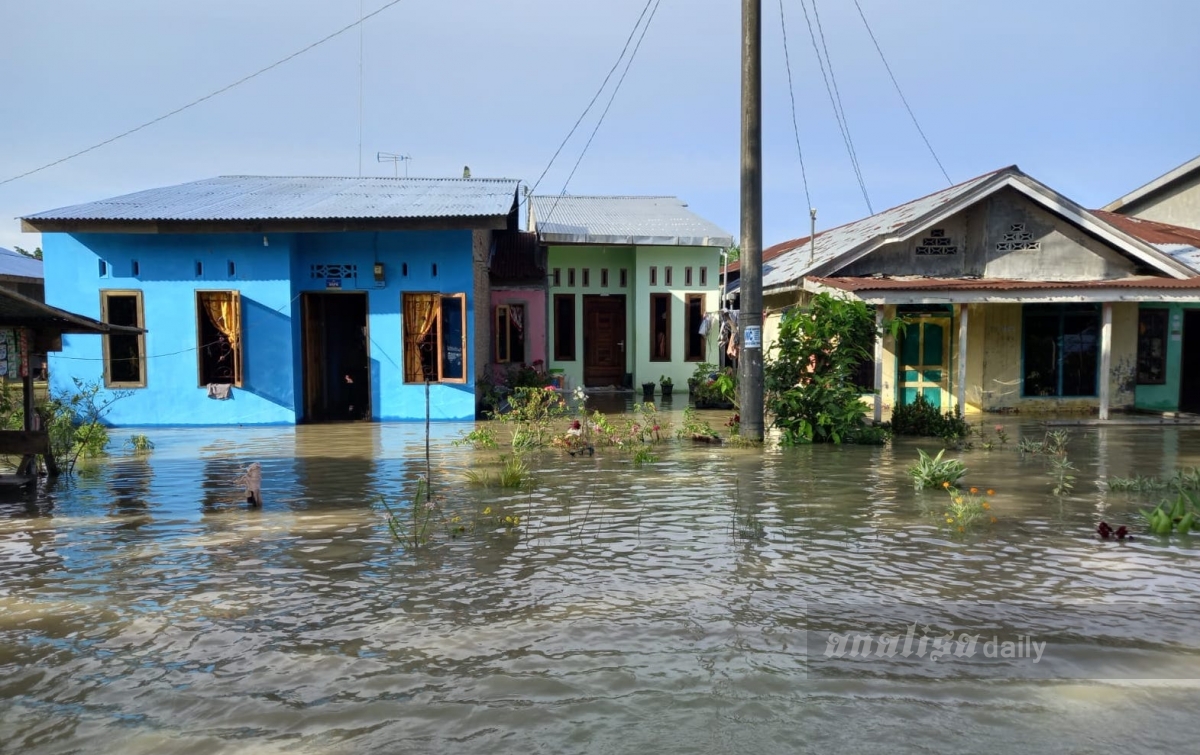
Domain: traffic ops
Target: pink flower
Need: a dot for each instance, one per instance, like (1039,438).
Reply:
(656,428)
(999,428)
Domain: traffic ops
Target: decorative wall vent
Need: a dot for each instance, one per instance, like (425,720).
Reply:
(937,242)
(324,272)
(1018,240)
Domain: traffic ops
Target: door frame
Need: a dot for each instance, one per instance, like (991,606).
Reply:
(945,385)
(623,307)
(311,381)
(1184,374)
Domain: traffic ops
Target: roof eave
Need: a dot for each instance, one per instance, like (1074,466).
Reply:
(265,225)
(1156,185)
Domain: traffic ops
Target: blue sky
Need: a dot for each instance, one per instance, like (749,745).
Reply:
(1094,97)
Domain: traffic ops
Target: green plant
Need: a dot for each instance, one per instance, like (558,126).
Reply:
(533,411)
(1177,516)
(923,419)
(1060,475)
(664,380)
(480,438)
(936,472)
(710,385)
(415,532)
(643,455)
(139,444)
(809,373)
(514,472)
(1183,479)
(967,507)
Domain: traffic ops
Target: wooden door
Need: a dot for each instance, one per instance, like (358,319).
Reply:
(603,340)
(924,364)
(1189,371)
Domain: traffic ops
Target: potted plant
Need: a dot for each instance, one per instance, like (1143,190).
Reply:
(648,391)
(665,382)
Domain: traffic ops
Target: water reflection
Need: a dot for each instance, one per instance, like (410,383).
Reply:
(147,607)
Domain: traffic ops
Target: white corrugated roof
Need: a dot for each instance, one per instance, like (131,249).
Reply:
(658,221)
(838,247)
(301,198)
(19,265)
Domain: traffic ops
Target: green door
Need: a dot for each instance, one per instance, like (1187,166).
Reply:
(923,362)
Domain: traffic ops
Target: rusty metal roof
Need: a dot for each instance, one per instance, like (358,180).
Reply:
(915,283)
(1180,242)
(244,198)
(517,257)
(17,311)
(617,220)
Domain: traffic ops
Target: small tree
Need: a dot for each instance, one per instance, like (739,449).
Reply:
(36,253)
(810,371)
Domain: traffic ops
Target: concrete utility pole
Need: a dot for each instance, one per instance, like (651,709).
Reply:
(750,319)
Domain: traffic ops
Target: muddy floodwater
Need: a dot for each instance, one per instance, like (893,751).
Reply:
(705,602)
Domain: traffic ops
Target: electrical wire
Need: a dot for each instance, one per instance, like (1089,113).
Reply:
(596,96)
(792,93)
(613,96)
(837,114)
(206,97)
(900,92)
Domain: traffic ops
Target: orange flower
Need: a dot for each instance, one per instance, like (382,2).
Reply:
(991,492)
(958,499)
(945,484)
(974,491)
(962,529)
(986,506)
(993,520)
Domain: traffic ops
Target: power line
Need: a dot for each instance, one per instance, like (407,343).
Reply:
(792,93)
(612,97)
(206,97)
(603,84)
(903,99)
(837,114)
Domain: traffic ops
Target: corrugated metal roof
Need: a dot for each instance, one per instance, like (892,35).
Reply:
(19,265)
(17,311)
(838,247)
(301,198)
(661,221)
(791,263)
(517,257)
(905,283)
(1179,242)
(1175,174)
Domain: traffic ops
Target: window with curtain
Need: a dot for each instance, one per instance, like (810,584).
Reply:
(510,333)
(219,337)
(1061,351)
(435,337)
(124,353)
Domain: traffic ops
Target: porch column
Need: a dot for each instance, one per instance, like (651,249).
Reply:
(879,363)
(962,358)
(1105,356)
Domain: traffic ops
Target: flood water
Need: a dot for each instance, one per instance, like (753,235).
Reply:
(681,606)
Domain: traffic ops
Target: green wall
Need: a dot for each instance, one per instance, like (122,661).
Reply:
(1165,398)
(637,260)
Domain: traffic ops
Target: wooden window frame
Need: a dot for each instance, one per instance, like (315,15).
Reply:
(441,334)
(238,353)
(503,350)
(564,356)
(666,357)
(141,323)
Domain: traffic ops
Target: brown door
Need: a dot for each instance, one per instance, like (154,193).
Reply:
(603,340)
(336,359)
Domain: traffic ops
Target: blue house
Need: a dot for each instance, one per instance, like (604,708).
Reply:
(277,300)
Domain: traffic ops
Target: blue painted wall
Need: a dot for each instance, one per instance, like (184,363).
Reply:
(271,279)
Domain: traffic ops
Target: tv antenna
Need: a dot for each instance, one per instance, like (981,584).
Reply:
(395,160)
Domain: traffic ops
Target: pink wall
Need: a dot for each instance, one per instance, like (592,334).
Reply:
(535,316)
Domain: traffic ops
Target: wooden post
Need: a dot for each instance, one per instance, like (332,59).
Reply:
(962,357)
(1105,357)
(879,363)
